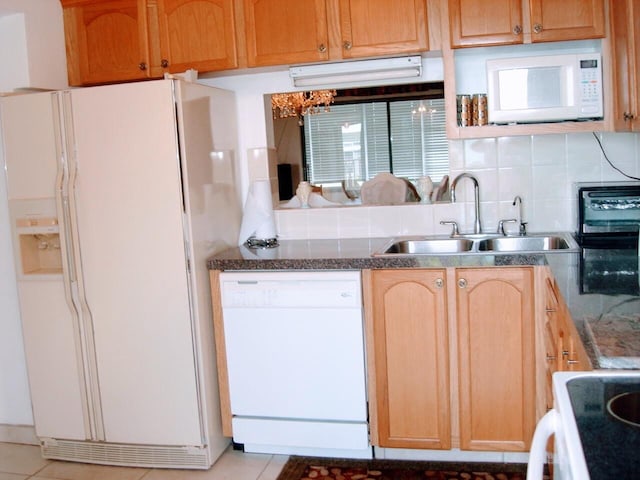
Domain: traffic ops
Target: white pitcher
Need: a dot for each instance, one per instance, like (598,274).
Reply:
(303,192)
(424,186)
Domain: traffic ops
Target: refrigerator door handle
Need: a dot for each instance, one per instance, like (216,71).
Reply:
(62,205)
(68,270)
(65,197)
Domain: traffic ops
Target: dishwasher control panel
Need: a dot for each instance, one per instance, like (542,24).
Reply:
(291,289)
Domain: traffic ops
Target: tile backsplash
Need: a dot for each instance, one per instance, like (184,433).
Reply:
(542,169)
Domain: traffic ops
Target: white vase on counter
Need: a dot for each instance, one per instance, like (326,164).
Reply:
(302,192)
(424,186)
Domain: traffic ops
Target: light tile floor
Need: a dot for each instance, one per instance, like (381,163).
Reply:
(21,462)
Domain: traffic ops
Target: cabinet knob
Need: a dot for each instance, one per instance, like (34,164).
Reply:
(517,30)
(322,48)
(164,63)
(537,28)
(142,66)
(439,283)
(572,362)
(347,45)
(462,283)
(565,353)
(628,116)
(551,358)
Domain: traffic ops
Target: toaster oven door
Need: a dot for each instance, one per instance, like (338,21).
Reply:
(605,210)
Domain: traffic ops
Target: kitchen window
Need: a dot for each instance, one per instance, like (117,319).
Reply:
(360,139)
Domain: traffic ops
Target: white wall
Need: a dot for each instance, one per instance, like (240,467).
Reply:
(38,47)
(33,30)
(13,32)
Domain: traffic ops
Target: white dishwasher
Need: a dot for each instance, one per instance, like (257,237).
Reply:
(296,362)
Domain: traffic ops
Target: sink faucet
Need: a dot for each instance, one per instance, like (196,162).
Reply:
(477,228)
(522,225)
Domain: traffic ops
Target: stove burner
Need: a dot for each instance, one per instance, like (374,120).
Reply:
(626,408)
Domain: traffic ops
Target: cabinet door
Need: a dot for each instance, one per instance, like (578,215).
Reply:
(573,354)
(553,337)
(285,31)
(496,358)
(485,22)
(411,359)
(556,20)
(382,27)
(625,22)
(106,41)
(198,34)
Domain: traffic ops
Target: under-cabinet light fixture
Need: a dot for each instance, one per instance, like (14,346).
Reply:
(360,71)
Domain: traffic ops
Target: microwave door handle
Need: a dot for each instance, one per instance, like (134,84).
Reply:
(546,427)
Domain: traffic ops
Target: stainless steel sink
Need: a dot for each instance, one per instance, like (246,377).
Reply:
(429,246)
(479,244)
(524,244)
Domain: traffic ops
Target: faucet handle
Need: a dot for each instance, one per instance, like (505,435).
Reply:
(523,229)
(501,225)
(454,232)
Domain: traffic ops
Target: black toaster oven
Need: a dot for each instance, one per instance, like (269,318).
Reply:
(608,220)
(608,213)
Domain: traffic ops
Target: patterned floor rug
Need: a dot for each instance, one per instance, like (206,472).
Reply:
(313,468)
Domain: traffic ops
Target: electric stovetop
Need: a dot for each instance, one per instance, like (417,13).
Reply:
(607,412)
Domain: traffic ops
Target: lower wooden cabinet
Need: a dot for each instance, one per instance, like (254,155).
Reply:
(408,344)
(451,358)
(561,346)
(496,358)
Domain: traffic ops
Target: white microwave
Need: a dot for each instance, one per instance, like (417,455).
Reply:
(548,88)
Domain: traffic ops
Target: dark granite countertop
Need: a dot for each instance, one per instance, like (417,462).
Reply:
(350,254)
(600,286)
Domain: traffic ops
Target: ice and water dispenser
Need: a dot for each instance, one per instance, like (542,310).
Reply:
(37,237)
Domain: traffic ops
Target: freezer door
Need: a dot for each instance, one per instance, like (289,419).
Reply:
(51,337)
(128,209)
(55,376)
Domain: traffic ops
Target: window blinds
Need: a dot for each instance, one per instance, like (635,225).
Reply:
(406,138)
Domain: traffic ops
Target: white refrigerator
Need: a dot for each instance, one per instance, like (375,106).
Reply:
(117,195)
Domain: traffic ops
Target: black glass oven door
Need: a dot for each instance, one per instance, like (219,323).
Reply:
(612,271)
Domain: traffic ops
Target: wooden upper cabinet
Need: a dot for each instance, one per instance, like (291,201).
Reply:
(122,40)
(280,32)
(485,22)
(106,41)
(625,35)
(198,34)
(496,354)
(290,31)
(556,20)
(382,27)
(501,22)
